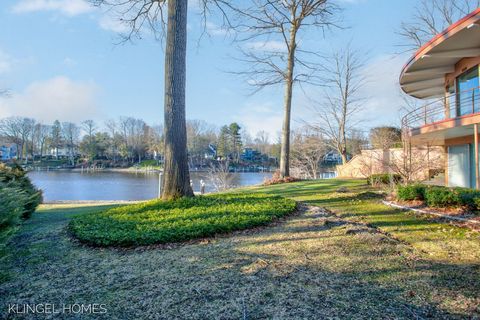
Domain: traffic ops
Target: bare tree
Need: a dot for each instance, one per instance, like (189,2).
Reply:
(40,134)
(199,135)
(55,138)
(308,149)
(412,163)
(9,128)
(336,113)
(272,29)
(155,140)
(262,141)
(112,128)
(219,175)
(71,134)
(431,17)
(18,130)
(385,137)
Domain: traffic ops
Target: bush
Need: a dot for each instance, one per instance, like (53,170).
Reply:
(15,178)
(468,196)
(277,179)
(476,202)
(158,221)
(436,196)
(442,197)
(11,208)
(411,192)
(384,178)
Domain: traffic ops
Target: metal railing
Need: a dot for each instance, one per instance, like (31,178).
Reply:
(449,107)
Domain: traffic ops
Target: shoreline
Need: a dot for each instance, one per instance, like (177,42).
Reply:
(131,170)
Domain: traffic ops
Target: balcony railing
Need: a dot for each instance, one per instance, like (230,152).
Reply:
(449,107)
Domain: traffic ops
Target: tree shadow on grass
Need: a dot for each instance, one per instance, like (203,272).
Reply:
(261,275)
(396,289)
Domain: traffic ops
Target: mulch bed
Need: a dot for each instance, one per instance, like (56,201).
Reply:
(457,216)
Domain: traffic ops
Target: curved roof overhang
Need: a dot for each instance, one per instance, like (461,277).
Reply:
(424,74)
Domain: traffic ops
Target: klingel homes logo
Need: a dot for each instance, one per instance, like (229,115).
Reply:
(51,308)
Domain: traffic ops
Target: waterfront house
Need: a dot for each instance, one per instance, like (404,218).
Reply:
(445,73)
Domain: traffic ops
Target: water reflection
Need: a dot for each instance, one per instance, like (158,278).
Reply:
(69,185)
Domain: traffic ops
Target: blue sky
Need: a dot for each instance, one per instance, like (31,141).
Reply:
(59,59)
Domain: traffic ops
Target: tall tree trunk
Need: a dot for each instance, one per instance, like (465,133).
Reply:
(343,154)
(285,148)
(343,151)
(176,182)
(22,149)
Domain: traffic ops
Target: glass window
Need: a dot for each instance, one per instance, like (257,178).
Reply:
(467,92)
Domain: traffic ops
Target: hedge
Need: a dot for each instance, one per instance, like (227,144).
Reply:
(411,192)
(440,197)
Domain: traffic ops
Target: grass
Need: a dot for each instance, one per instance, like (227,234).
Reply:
(362,203)
(159,222)
(148,164)
(366,261)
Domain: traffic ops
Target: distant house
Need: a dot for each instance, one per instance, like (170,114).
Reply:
(211,152)
(63,152)
(250,154)
(333,157)
(8,151)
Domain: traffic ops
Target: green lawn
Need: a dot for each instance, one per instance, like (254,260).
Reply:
(439,239)
(367,261)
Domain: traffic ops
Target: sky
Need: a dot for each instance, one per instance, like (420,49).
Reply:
(61,59)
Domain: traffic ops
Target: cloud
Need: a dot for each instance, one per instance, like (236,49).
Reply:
(66,7)
(110,23)
(57,98)
(260,116)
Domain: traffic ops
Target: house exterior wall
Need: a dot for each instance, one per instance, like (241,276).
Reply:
(393,160)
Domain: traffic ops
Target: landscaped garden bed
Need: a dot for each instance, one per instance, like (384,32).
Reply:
(463,204)
(159,222)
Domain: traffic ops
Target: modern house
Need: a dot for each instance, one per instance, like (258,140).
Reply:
(445,73)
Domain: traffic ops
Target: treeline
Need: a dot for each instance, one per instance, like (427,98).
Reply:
(126,140)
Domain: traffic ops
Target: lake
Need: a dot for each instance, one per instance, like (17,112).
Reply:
(104,185)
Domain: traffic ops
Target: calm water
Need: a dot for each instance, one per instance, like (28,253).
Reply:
(69,185)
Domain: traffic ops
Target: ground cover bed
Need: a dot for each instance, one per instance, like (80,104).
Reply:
(157,221)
